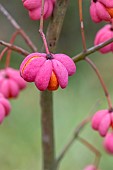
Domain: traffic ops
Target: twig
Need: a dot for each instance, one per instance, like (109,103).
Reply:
(3,52)
(75,134)
(72,139)
(101,81)
(9,51)
(9,17)
(82,26)
(93,149)
(14,48)
(41,29)
(91,50)
(17,27)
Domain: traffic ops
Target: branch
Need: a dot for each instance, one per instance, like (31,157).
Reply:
(91,50)
(82,26)
(14,48)
(17,27)
(55,26)
(41,29)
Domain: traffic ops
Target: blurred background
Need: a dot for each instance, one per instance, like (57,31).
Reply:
(20,133)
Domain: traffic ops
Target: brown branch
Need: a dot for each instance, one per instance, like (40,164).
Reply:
(56,23)
(17,27)
(91,50)
(14,48)
(52,35)
(82,26)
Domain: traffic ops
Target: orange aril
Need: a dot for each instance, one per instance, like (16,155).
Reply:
(110,11)
(53,83)
(30,59)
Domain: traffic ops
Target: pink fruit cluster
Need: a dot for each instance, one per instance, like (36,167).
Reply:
(48,71)
(108,143)
(102,10)
(10,85)
(90,167)
(102,122)
(5,107)
(11,82)
(103,35)
(34,8)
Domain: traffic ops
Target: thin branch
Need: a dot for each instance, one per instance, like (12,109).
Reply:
(91,50)
(41,28)
(9,51)
(42,15)
(82,26)
(75,134)
(3,52)
(9,17)
(72,139)
(14,48)
(93,149)
(17,27)
(101,81)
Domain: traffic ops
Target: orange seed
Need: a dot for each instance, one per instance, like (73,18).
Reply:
(53,83)
(110,11)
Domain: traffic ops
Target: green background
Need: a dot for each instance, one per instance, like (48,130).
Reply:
(20,133)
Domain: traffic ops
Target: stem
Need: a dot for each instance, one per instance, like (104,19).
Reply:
(14,48)
(17,27)
(41,28)
(101,81)
(47,130)
(93,149)
(53,33)
(82,26)
(91,50)
(44,41)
